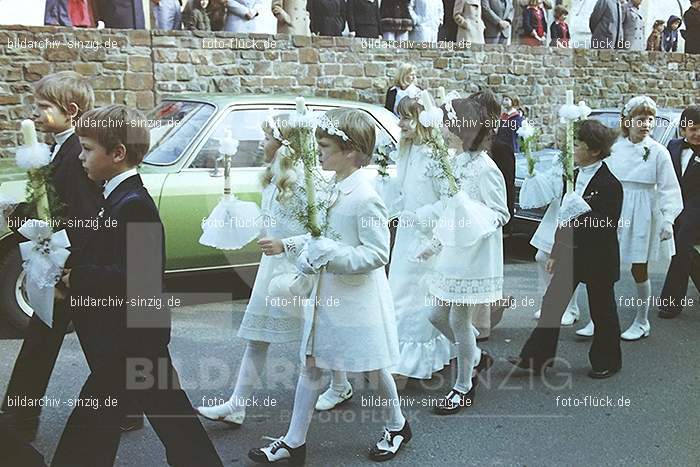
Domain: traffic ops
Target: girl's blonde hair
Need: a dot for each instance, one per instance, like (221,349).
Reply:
(404,70)
(359,130)
(286,178)
(410,108)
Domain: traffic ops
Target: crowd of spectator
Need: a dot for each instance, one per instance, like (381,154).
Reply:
(615,24)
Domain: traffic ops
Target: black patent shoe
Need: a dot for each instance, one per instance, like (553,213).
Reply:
(390,444)
(455,401)
(131,423)
(277,451)
(602,374)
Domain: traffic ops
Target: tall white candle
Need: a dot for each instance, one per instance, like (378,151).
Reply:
(300,105)
(441,95)
(29,132)
(569,97)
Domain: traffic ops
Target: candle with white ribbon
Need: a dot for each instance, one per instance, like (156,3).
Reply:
(29,132)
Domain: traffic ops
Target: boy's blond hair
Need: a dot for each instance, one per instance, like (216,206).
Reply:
(113,125)
(359,129)
(65,88)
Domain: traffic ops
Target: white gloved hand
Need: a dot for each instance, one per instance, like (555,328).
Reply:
(303,264)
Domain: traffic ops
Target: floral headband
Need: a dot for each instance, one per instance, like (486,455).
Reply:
(276,133)
(329,127)
(636,102)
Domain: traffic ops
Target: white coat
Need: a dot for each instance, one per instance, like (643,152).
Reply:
(427,16)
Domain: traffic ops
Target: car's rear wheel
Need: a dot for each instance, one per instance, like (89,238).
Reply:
(13,296)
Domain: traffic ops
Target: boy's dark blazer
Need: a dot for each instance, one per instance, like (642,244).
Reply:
(590,240)
(690,180)
(100,271)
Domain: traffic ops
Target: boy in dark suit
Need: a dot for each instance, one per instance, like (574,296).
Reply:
(585,250)
(124,339)
(685,153)
(59,99)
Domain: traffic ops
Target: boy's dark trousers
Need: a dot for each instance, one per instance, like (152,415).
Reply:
(605,350)
(91,437)
(685,263)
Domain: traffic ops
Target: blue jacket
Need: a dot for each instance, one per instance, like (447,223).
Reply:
(669,37)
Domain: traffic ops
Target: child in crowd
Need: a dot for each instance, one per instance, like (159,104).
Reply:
(559,30)
(654,40)
(351,325)
(669,36)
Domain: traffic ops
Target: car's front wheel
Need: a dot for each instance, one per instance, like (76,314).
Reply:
(13,296)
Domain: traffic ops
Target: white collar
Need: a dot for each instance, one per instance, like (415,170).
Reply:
(645,142)
(350,182)
(592,168)
(115,181)
(63,136)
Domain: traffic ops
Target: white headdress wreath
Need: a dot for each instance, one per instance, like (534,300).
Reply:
(276,133)
(329,127)
(638,102)
(447,101)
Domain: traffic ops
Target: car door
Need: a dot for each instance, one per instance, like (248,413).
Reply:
(190,195)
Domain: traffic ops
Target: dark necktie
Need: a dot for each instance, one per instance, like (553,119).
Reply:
(686,145)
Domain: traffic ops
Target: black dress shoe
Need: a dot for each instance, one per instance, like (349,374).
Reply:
(390,444)
(669,313)
(602,374)
(530,365)
(24,426)
(131,423)
(277,451)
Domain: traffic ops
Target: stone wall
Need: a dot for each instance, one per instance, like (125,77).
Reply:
(141,67)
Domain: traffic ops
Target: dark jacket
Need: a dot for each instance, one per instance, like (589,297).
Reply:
(504,157)
(590,241)
(507,131)
(130,236)
(396,16)
(363,18)
(448,28)
(530,20)
(56,13)
(691,33)
(121,14)
(560,34)
(669,37)
(690,180)
(195,19)
(76,196)
(327,17)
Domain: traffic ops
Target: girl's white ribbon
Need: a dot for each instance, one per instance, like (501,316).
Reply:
(44,256)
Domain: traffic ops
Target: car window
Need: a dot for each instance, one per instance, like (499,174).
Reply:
(245,126)
(173,125)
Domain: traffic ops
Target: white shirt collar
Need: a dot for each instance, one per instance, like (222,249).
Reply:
(349,183)
(686,154)
(61,138)
(585,174)
(115,181)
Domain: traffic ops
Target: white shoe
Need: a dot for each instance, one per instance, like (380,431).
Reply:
(586,331)
(569,318)
(331,398)
(538,313)
(223,413)
(636,331)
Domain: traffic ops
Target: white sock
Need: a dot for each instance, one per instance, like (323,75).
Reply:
(468,353)
(304,401)
(387,390)
(644,294)
(573,304)
(249,374)
(440,319)
(339,381)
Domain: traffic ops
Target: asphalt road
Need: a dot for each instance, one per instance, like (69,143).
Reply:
(517,419)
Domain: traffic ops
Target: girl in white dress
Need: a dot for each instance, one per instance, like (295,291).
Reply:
(350,324)
(468,265)
(424,350)
(652,201)
(543,239)
(264,322)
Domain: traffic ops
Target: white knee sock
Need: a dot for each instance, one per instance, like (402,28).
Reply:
(543,277)
(249,374)
(387,390)
(643,293)
(304,401)
(339,381)
(468,353)
(440,319)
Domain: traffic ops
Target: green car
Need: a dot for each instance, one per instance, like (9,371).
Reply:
(182,172)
